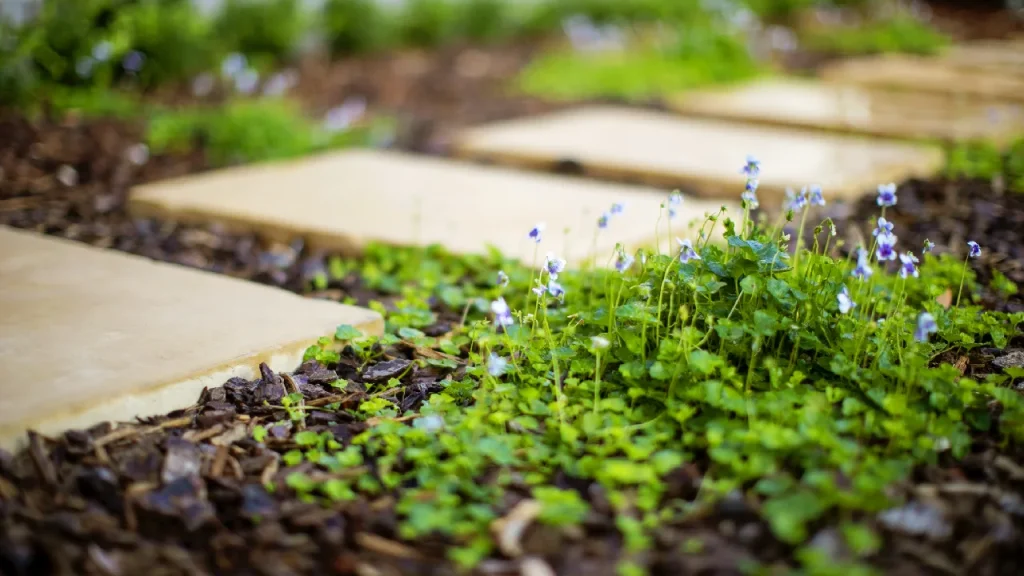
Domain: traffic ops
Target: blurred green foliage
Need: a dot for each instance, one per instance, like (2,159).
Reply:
(245,131)
(898,34)
(984,160)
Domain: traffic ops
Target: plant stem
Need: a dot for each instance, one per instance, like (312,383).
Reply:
(963,275)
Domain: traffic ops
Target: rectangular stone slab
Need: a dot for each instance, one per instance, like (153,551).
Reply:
(344,200)
(702,155)
(998,55)
(90,335)
(931,75)
(852,109)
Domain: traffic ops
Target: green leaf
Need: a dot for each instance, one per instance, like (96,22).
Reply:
(307,438)
(347,332)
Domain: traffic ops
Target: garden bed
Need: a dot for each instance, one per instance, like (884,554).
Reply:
(237,484)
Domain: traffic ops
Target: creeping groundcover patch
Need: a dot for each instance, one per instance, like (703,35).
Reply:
(804,385)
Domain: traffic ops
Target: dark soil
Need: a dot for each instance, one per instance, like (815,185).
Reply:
(950,213)
(183,493)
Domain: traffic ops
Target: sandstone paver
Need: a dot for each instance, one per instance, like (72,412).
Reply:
(928,75)
(699,154)
(90,335)
(838,108)
(344,200)
(998,55)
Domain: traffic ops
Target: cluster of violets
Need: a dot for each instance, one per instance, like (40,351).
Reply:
(103,52)
(885,251)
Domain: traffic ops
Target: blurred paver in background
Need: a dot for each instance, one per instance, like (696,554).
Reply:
(90,335)
(996,55)
(838,108)
(927,75)
(342,201)
(700,155)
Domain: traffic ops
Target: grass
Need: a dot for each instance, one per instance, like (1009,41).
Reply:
(784,374)
(701,57)
(245,131)
(899,34)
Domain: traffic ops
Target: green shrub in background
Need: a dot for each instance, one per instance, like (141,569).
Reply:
(983,160)
(902,33)
(173,37)
(486,20)
(1015,166)
(427,23)
(356,26)
(266,30)
(245,131)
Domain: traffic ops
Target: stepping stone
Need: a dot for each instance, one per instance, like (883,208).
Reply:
(90,335)
(998,55)
(932,75)
(701,155)
(344,200)
(837,108)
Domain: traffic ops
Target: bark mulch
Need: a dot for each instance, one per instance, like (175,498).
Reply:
(185,493)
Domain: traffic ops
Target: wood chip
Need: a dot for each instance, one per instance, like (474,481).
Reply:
(533,566)
(219,461)
(508,531)
(41,459)
(385,547)
(234,434)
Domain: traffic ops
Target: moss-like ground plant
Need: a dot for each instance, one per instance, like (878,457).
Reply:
(899,34)
(250,131)
(809,381)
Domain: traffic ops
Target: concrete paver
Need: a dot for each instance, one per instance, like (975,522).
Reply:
(698,154)
(927,75)
(851,109)
(90,335)
(345,200)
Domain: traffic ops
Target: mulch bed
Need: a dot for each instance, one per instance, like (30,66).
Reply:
(183,493)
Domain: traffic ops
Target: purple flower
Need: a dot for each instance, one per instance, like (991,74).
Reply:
(925,325)
(794,201)
(887,194)
(623,261)
(502,278)
(845,302)
(752,168)
(673,204)
(553,265)
(975,250)
(618,208)
(863,270)
(233,64)
(886,247)
(133,61)
(883,227)
(535,232)
(602,221)
(102,51)
(817,199)
(555,289)
(686,251)
(502,313)
(928,246)
(749,195)
(539,290)
(496,365)
(908,265)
